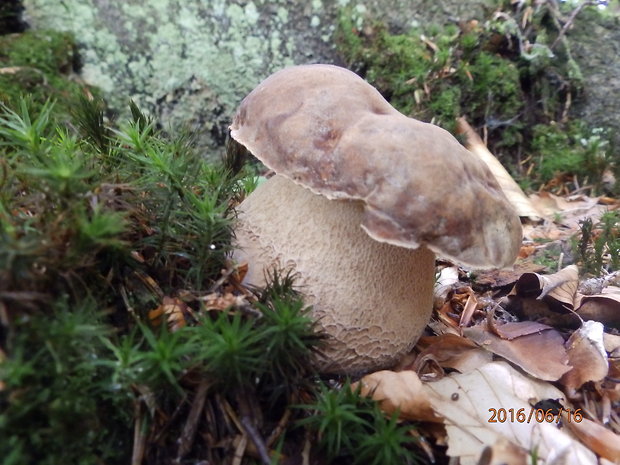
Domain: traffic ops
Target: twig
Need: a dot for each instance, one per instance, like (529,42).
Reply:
(139,439)
(280,427)
(189,430)
(256,438)
(305,453)
(569,22)
(240,449)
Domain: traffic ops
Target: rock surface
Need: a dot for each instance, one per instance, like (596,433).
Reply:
(596,48)
(191,62)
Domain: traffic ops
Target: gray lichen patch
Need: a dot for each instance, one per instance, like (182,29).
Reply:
(186,62)
(189,63)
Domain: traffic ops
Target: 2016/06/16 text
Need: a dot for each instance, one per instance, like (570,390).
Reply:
(502,415)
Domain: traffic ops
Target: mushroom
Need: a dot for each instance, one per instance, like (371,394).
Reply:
(362,200)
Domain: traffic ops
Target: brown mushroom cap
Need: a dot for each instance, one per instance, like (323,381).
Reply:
(327,129)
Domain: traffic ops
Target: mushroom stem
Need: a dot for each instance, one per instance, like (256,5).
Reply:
(372,299)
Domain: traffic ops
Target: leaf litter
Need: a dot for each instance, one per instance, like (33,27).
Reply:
(518,366)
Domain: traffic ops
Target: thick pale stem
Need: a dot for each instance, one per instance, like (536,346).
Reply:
(372,299)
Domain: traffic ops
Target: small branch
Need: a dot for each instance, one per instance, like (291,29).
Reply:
(256,438)
(139,439)
(570,21)
(191,425)
(240,449)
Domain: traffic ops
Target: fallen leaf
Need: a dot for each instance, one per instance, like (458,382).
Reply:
(511,189)
(603,307)
(445,282)
(513,330)
(399,391)
(468,401)
(598,438)
(525,351)
(570,210)
(501,278)
(173,310)
(504,452)
(450,351)
(558,288)
(468,310)
(587,356)
(216,301)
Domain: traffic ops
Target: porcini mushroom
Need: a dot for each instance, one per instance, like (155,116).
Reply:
(363,199)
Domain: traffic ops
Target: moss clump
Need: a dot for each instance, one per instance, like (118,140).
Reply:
(40,64)
(597,246)
(572,149)
(433,74)
(128,328)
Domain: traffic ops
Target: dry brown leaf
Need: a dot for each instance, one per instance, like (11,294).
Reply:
(603,307)
(468,310)
(571,210)
(587,356)
(511,189)
(611,342)
(450,351)
(598,438)
(501,278)
(402,391)
(467,402)
(563,215)
(173,310)
(525,350)
(225,301)
(513,330)
(560,287)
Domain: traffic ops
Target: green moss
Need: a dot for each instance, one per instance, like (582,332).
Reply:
(433,74)
(572,149)
(39,63)
(494,88)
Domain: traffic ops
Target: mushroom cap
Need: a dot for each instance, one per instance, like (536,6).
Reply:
(328,130)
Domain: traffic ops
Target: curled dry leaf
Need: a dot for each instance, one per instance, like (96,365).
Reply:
(525,351)
(446,281)
(468,310)
(505,277)
(511,189)
(467,402)
(450,351)
(216,301)
(559,287)
(173,311)
(402,391)
(587,356)
(513,330)
(603,307)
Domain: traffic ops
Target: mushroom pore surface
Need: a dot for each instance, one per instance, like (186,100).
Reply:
(372,299)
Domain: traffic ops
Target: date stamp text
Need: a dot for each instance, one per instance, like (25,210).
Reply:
(537,415)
